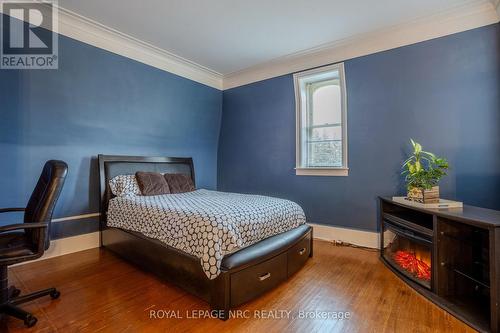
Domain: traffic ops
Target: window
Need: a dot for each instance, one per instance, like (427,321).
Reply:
(321,103)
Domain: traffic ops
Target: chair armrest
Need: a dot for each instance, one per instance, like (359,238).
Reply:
(19,226)
(6,210)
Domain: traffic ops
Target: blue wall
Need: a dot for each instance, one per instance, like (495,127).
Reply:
(445,93)
(98,102)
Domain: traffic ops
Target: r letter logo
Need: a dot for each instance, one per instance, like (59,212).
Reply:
(28,40)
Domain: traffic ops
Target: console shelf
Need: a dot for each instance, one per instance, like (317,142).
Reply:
(457,252)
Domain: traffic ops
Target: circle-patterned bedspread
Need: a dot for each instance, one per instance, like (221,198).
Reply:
(206,224)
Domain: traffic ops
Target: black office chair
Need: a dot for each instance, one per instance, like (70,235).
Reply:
(28,240)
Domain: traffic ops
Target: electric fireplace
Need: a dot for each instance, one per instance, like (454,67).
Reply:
(409,252)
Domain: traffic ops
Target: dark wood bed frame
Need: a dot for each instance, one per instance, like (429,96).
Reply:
(245,275)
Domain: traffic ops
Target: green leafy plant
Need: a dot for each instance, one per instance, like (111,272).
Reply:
(422,169)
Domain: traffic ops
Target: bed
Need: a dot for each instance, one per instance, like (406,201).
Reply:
(264,243)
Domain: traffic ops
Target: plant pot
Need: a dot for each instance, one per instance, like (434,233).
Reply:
(424,196)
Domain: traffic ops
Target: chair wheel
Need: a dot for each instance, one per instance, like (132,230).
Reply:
(15,292)
(30,321)
(55,294)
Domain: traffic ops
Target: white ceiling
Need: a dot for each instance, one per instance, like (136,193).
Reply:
(231,35)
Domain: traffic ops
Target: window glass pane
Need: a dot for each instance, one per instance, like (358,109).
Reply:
(324,141)
(326,133)
(326,105)
(325,154)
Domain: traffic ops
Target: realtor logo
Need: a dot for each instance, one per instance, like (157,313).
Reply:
(27,37)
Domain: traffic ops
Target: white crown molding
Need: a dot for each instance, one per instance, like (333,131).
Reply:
(474,15)
(496,4)
(85,30)
(88,31)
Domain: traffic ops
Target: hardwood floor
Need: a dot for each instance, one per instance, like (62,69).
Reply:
(102,293)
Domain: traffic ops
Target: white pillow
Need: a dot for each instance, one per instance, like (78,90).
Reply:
(124,185)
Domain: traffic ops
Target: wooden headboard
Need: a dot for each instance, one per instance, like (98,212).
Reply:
(113,165)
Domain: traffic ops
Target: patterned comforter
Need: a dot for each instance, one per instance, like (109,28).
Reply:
(206,224)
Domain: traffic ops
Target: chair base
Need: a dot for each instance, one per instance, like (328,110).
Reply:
(10,308)
(10,299)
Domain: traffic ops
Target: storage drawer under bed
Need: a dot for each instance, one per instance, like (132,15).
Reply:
(256,280)
(253,281)
(298,254)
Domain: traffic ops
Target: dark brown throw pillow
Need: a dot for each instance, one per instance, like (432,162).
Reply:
(179,183)
(152,183)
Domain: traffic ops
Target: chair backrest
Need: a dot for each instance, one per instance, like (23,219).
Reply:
(44,198)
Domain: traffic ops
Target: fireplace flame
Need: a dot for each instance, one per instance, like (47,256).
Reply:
(409,262)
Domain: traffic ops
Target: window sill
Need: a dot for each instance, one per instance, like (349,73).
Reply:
(336,172)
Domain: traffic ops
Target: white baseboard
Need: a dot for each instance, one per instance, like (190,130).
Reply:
(73,244)
(370,239)
(69,245)
(76,217)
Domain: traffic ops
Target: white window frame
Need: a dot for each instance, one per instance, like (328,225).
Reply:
(302,105)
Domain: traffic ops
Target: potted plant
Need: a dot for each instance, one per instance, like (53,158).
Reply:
(423,171)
